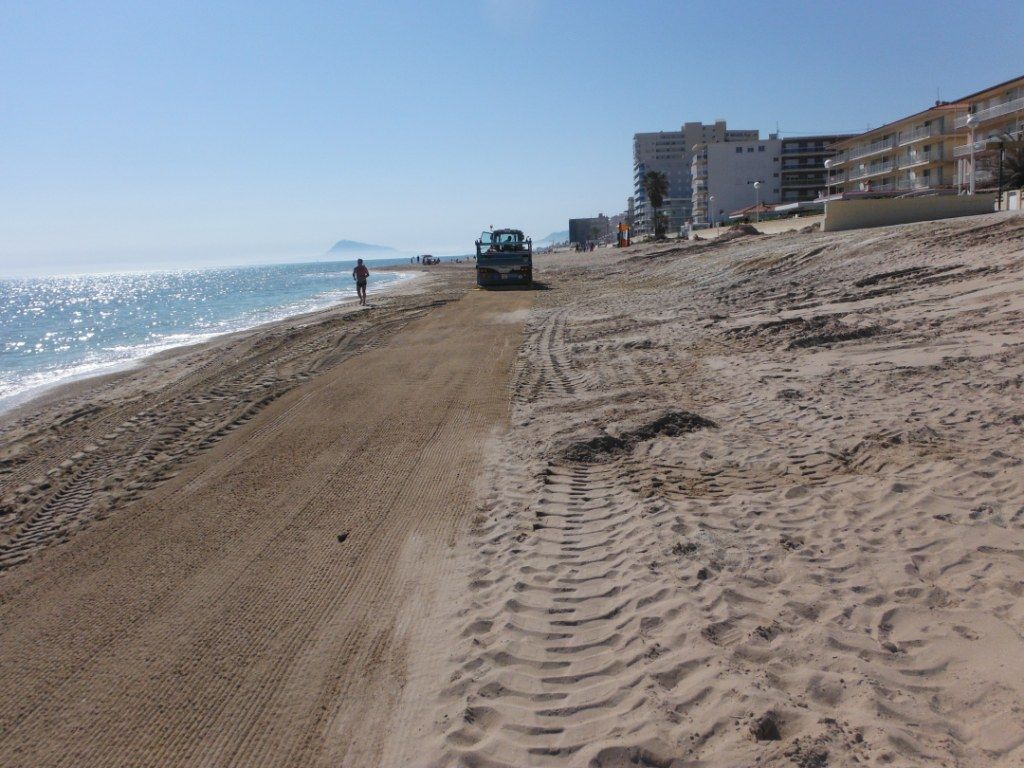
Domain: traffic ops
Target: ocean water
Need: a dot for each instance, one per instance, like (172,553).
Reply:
(54,329)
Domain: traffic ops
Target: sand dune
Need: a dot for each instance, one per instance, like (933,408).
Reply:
(740,502)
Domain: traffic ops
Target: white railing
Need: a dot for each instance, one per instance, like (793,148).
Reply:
(871,170)
(919,158)
(871,149)
(996,110)
(964,150)
(924,132)
(910,185)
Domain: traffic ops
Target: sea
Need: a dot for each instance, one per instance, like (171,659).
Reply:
(57,329)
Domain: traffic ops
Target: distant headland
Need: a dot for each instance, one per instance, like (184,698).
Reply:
(354,248)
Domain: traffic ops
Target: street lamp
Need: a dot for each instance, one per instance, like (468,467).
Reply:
(1003,138)
(757,201)
(971,122)
(711,207)
(828,178)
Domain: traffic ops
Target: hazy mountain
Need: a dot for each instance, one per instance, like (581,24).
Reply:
(353,248)
(556,237)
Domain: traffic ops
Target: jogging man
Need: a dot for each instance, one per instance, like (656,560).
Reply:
(359,274)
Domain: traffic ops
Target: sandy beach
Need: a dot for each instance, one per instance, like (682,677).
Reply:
(750,501)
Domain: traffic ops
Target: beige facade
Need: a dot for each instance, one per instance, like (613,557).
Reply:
(930,151)
(913,154)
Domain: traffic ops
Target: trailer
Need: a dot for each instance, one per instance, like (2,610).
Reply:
(504,257)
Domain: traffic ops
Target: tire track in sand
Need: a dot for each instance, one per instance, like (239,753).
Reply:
(219,621)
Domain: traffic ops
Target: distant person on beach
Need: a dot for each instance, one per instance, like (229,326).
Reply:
(359,274)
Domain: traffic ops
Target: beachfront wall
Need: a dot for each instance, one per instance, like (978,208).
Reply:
(855,214)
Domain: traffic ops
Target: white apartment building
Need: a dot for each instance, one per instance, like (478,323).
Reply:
(671,153)
(724,175)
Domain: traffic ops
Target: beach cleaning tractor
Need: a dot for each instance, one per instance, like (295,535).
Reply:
(504,257)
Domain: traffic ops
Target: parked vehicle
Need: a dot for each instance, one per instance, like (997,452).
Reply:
(504,257)
(428,259)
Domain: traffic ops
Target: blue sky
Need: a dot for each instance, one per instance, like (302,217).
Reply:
(141,134)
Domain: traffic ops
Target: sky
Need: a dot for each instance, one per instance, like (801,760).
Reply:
(154,134)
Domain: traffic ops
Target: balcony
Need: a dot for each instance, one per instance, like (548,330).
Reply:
(804,150)
(872,170)
(903,185)
(990,113)
(919,158)
(918,134)
(858,152)
(912,185)
(887,187)
(811,183)
(990,144)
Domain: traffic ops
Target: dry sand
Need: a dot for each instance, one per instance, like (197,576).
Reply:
(747,502)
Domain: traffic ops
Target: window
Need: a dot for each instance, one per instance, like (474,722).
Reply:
(775,175)
(760,148)
(750,149)
(739,150)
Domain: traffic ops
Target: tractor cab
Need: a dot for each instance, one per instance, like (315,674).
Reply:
(504,257)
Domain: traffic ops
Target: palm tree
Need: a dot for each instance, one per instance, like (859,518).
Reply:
(656,187)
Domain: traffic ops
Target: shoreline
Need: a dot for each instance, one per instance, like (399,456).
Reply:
(36,394)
